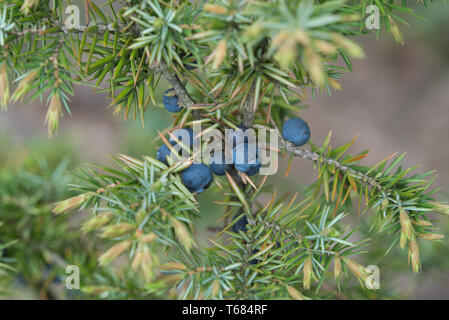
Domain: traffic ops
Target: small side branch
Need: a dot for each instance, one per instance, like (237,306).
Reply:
(248,109)
(308,155)
(177,85)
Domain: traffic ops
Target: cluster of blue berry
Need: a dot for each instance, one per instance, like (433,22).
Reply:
(198,177)
(245,156)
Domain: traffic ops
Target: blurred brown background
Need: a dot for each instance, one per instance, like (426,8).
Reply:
(397,100)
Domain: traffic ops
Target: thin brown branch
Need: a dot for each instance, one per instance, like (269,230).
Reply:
(248,109)
(309,155)
(177,85)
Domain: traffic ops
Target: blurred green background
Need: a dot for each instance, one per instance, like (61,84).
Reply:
(397,99)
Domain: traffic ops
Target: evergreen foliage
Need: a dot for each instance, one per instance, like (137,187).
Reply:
(230,63)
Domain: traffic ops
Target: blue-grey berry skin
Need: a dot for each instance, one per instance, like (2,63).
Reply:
(245,157)
(181,134)
(296,131)
(171,101)
(253,170)
(197,177)
(218,164)
(239,225)
(163,152)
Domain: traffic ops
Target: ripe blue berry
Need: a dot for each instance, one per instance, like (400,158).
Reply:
(218,164)
(239,225)
(245,157)
(254,170)
(170,101)
(163,152)
(185,135)
(197,177)
(296,131)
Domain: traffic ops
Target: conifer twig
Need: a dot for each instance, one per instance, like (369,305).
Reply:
(177,85)
(309,155)
(248,109)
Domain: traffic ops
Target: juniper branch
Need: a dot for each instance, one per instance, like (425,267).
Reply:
(312,156)
(177,85)
(248,111)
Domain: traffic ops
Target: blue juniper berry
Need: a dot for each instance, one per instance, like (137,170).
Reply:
(182,135)
(253,170)
(245,157)
(197,177)
(170,101)
(239,225)
(218,164)
(296,131)
(163,152)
